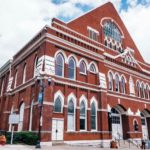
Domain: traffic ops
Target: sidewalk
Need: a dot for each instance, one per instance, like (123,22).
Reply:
(26,147)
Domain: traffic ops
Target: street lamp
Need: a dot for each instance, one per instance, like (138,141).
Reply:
(43,84)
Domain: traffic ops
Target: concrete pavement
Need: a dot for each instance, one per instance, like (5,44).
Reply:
(63,147)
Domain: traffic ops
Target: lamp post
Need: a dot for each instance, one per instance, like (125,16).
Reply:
(43,84)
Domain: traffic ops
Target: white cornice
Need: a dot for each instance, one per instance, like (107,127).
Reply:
(127,98)
(69,35)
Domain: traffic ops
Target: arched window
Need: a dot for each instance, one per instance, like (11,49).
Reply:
(71,68)
(82,67)
(92,68)
(58,105)
(143,121)
(110,81)
(21,117)
(111,30)
(35,66)
(15,81)
(117,83)
(93,116)
(59,65)
(147,92)
(24,74)
(136,127)
(123,85)
(71,115)
(106,43)
(138,89)
(2,86)
(82,116)
(142,91)
(110,45)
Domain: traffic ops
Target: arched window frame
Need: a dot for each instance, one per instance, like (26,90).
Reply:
(21,116)
(110,80)
(147,91)
(123,85)
(142,90)
(24,73)
(117,82)
(59,65)
(84,100)
(35,66)
(2,86)
(72,69)
(138,88)
(84,71)
(93,65)
(94,101)
(72,98)
(16,78)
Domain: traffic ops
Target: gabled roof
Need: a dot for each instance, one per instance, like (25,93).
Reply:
(93,19)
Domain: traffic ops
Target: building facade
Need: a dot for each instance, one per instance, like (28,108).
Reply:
(100,87)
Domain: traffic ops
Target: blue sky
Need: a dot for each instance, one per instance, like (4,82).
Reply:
(22,19)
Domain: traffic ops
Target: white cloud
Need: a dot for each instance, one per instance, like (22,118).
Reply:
(137,23)
(21,19)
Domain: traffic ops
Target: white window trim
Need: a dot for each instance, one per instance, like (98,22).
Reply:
(63,67)
(2,87)
(74,68)
(16,77)
(24,74)
(72,97)
(59,94)
(83,98)
(93,99)
(92,29)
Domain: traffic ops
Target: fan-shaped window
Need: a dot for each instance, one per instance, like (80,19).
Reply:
(110,81)
(138,89)
(123,85)
(117,83)
(24,74)
(71,115)
(71,68)
(93,116)
(111,30)
(58,105)
(114,111)
(82,67)
(92,68)
(82,116)
(59,70)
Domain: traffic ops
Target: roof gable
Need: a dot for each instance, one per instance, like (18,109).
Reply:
(94,19)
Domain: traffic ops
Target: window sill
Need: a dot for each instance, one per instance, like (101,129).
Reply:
(93,72)
(83,73)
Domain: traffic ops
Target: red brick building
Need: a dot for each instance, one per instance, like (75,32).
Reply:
(101,83)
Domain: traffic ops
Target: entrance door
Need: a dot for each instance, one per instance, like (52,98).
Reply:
(116,125)
(144,126)
(57,130)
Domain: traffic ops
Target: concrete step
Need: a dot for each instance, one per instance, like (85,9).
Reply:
(125,144)
(58,143)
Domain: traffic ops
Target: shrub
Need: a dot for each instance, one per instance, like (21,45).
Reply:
(28,138)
